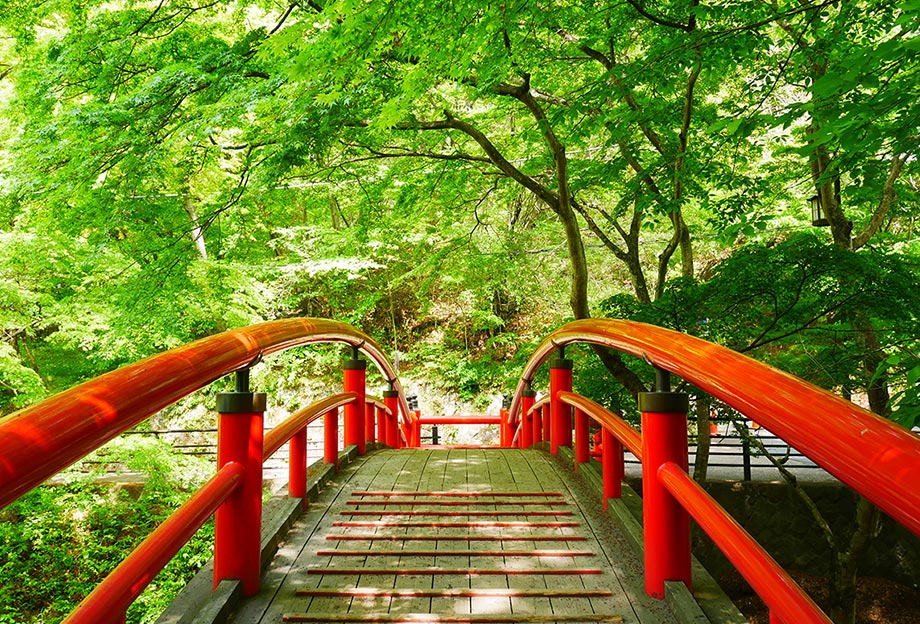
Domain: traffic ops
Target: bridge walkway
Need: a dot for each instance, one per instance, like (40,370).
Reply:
(454,535)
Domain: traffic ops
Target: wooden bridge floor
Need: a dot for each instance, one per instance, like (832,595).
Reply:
(454,536)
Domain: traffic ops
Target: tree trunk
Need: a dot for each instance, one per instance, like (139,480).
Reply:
(843,575)
(703,437)
(197,231)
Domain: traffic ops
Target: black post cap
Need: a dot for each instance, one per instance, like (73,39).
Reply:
(241,402)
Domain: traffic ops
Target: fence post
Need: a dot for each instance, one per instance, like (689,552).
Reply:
(611,465)
(381,424)
(528,398)
(391,400)
(369,412)
(504,433)
(297,467)
(416,429)
(582,452)
(238,522)
(331,437)
(355,430)
(667,523)
(560,379)
(545,420)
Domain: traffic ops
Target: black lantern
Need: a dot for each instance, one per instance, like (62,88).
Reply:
(818,219)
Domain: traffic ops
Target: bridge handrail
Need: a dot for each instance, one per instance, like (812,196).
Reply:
(282,433)
(129,579)
(782,595)
(622,430)
(66,427)
(874,456)
(769,580)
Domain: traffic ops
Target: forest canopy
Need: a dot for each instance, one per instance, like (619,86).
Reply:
(456,178)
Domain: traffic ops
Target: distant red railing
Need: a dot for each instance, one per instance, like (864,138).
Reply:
(873,455)
(41,440)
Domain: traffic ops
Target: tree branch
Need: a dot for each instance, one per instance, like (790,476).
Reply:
(659,20)
(884,204)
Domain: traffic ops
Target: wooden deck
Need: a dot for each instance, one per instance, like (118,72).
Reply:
(464,536)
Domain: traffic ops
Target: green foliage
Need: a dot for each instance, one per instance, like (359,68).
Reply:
(797,305)
(58,542)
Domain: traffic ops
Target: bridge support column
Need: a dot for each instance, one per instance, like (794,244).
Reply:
(238,522)
(528,398)
(667,523)
(391,400)
(560,380)
(354,413)
(331,438)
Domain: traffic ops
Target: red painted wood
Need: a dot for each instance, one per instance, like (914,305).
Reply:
(453,494)
(454,553)
(454,592)
(780,592)
(433,571)
(110,599)
(41,440)
(457,538)
(455,525)
(666,523)
(873,455)
(434,618)
(455,513)
(456,503)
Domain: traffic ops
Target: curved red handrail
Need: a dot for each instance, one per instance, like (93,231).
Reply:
(874,456)
(283,432)
(67,426)
(125,583)
(623,431)
(771,582)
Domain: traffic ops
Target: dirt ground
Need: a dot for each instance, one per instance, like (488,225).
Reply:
(879,601)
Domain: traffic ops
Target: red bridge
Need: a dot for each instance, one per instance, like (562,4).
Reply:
(532,531)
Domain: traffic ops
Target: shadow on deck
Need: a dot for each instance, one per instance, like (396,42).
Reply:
(462,536)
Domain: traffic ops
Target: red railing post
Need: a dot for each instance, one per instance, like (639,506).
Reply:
(611,465)
(545,422)
(297,467)
(667,523)
(560,380)
(416,429)
(582,450)
(331,437)
(381,424)
(238,522)
(370,410)
(391,400)
(355,429)
(505,434)
(528,398)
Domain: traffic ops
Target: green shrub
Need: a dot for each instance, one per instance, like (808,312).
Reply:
(58,542)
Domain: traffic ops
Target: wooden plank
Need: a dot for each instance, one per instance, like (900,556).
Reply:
(453,553)
(455,477)
(421,618)
(454,592)
(521,524)
(459,494)
(384,513)
(456,503)
(459,538)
